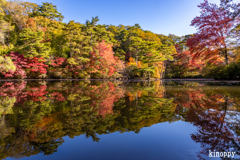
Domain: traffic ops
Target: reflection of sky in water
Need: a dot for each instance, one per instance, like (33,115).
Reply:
(160,141)
(232,117)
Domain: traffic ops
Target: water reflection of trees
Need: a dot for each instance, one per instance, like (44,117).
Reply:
(214,111)
(36,115)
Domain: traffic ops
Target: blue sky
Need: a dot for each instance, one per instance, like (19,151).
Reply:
(158,16)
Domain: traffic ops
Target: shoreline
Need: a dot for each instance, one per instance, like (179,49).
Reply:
(123,80)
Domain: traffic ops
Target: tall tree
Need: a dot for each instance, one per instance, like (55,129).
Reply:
(102,60)
(75,38)
(233,8)
(2,4)
(16,13)
(4,26)
(96,34)
(213,27)
(48,10)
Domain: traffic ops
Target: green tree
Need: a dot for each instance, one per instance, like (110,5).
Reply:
(77,42)
(48,10)
(30,44)
(54,34)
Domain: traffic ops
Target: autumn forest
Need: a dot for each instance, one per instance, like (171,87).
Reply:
(71,90)
(35,43)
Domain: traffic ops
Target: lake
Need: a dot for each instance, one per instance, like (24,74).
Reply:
(95,120)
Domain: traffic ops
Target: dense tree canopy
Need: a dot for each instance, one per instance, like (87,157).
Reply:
(37,31)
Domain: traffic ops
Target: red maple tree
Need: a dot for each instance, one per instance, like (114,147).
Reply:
(103,60)
(213,27)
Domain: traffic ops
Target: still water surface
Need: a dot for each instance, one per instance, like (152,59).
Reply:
(118,120)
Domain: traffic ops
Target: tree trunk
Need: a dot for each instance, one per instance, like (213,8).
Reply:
(226,57)
(124,69)
(161,72)
(148,73)
(70,49)
(226,54)
(136,60)
(71,57)
(3,41)
(90,46)
(164,69)
(90,55)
